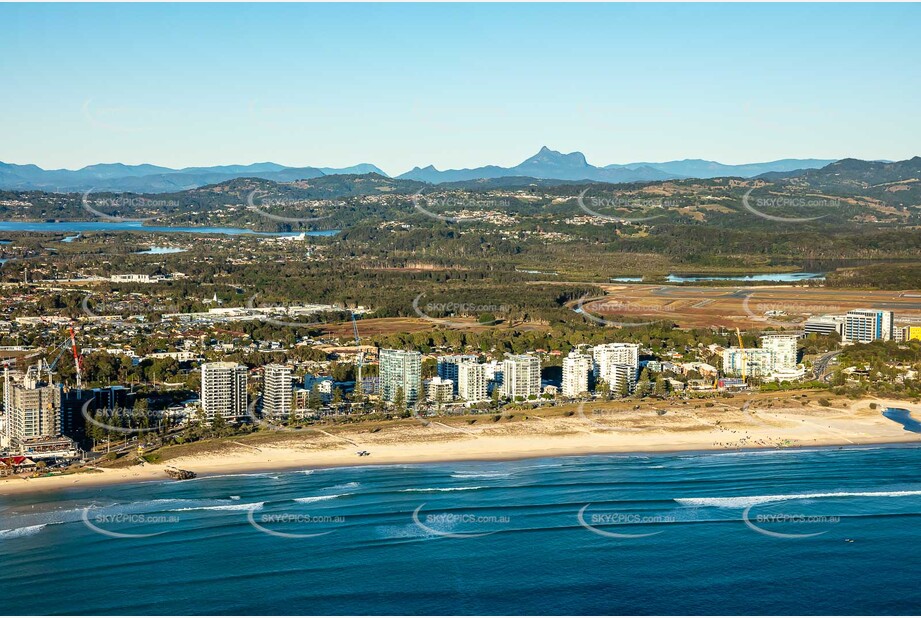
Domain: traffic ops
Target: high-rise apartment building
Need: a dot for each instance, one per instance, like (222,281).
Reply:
(448,366)
(576,369)
(607,355)
(276,390)
(521,376)
(783,349)
(401,371)
(223,390)
(472,382)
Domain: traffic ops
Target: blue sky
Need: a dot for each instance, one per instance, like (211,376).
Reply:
(456,85)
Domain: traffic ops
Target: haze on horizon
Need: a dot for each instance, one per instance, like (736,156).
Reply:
(455,86)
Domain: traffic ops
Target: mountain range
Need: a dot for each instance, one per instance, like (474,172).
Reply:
(155,179)
(550,164)
(545,165)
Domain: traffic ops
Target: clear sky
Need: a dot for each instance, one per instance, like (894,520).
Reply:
(456,85)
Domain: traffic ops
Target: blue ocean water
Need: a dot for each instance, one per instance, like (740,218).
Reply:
(822,531)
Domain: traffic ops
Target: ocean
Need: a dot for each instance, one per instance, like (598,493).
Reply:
(823,531)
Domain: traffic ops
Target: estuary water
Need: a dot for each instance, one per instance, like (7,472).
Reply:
(820,531)
(70,227)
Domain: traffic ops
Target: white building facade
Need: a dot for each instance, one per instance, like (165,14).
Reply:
(576,369)
(276,390)
(223,390)
(521,376)
(472,382)
(401,371)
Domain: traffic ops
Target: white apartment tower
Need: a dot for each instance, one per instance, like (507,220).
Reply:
(472,382)
(576,368)
(622,379)
(607,355)
(521,376)
(223,390)
(401,370)
(276,390)
(783,349)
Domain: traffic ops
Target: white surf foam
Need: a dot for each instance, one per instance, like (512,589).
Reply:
(746,501)
(351,485)
(255,506)
(15,533)
(431,489)
(311,499)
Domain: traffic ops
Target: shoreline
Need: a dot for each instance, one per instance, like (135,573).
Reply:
(155,473)
(756,425)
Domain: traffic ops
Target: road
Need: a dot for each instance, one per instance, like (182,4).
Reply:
(820,367)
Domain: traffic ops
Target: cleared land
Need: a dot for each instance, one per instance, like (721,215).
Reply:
(730,307)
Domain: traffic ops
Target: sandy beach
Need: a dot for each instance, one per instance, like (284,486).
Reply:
(769,421)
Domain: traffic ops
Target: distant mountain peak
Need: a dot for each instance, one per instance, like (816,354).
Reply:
(546,156)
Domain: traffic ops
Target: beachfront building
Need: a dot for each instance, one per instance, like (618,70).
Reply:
(521,376)
(401,372)
(32,407)
(607,355)
(472,382)
(448,367)
(622,379)
(439,390)
(576,369)
(276,390)
(866,325)
(753,362)
(783,349)
(223,390)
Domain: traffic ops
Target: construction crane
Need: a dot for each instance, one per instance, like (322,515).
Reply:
(360,359)
(744,359)
(73,343)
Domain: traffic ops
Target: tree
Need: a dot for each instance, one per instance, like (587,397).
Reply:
(661,387)
(604,389)
(399,399)
(314,400)
(218,423)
